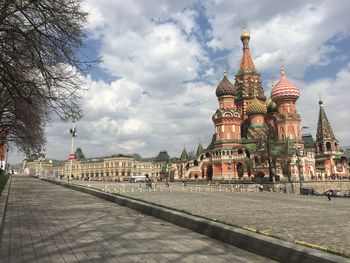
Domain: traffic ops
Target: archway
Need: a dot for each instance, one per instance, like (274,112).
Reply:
(210,172)
(328,146)
(240,170)
(320,148)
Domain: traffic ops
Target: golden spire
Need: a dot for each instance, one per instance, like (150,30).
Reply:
(245,34)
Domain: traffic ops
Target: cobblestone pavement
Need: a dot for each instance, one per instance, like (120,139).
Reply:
(49,223)
(312,219)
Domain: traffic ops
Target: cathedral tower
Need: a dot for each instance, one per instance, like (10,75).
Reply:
(285,94)
(227,119)
(325,139)
(329,157)
(247,79)
(247,83)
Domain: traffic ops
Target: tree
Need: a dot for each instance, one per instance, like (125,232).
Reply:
(284,162)
(41,66)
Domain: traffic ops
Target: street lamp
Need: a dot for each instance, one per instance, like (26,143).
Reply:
(229,168)
(6,165)
(298,153)
(41,157)
(74,116)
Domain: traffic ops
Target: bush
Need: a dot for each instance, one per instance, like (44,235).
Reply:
(3,180)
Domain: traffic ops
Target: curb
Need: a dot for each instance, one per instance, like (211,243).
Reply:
(269,247)
(3,204)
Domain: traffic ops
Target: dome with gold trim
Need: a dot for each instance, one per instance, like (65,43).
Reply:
(256,107)
(284,89)
(225,88)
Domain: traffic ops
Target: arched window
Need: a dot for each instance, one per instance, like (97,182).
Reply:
(195,163)
(239,151)
(247,153)
(240,170)
(328,146)
(320,147)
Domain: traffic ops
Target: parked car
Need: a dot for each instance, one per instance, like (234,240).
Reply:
(308,191)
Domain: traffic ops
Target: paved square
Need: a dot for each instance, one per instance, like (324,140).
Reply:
(312,219)
(49,223)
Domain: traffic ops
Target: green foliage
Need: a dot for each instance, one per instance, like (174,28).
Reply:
(3,181)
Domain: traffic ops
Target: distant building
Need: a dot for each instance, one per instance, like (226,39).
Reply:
(113,168)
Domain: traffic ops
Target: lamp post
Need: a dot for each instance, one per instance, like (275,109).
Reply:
(7,153)
(74,116)
(41,157)
(229,168)
(298,153)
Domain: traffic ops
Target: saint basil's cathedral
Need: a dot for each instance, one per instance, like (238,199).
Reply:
(256,137)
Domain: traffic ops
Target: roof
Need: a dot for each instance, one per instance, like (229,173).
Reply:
(308,140)
(184,155)
(199,149)
(256,107)
(284,89)
(162,156)
(324,129)
(225,87)
(79,155)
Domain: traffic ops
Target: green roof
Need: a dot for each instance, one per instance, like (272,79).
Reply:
(163,156)
(308,140)
(79,155)
(199,149)
(184,155)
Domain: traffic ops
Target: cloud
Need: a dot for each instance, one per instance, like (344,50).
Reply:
(297,31)
(335,95)
(166,59)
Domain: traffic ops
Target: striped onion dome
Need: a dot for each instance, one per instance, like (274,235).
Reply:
(284,89)
(256,107)
(225,87)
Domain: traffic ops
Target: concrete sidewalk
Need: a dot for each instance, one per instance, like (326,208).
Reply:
(48,223)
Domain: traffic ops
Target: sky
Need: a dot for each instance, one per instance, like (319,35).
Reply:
(162,60)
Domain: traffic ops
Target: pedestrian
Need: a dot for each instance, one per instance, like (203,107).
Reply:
(329,195)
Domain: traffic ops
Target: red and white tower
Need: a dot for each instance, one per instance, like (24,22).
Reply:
(285,94)
(227,119)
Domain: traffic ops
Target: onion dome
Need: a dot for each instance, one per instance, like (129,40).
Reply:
(284,89)
(225,88)
(271,105)
(256,107)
